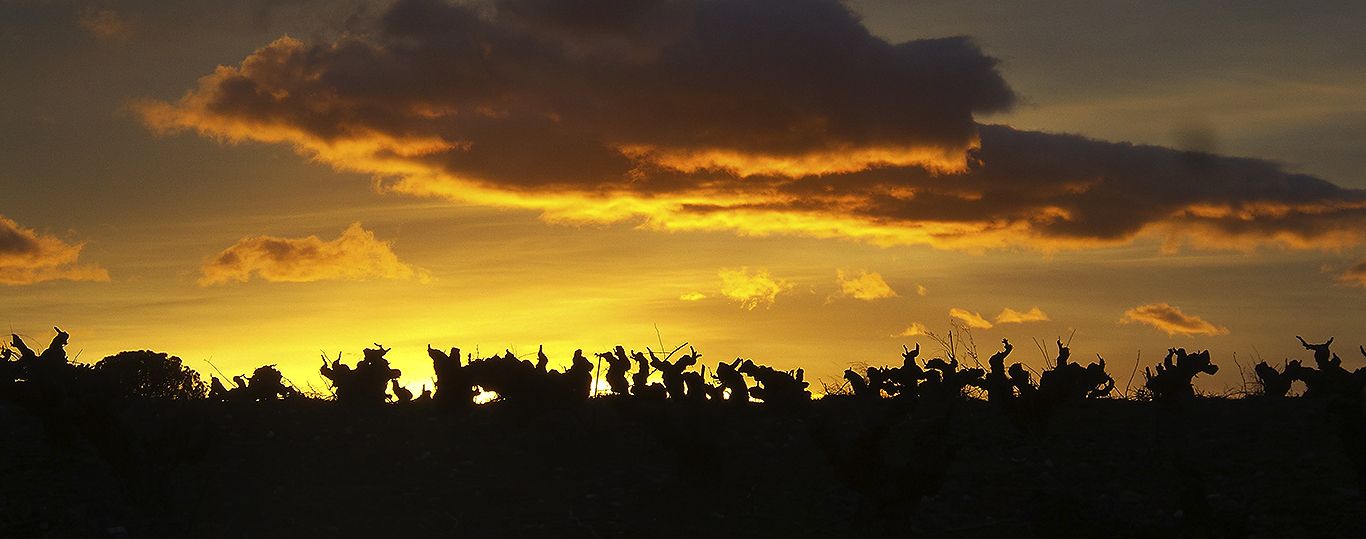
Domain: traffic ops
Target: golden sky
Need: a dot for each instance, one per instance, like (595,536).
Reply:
(807,183)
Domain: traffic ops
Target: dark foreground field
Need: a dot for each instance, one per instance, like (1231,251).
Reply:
(617,469)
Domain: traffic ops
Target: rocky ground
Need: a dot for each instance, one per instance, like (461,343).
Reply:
(618,469)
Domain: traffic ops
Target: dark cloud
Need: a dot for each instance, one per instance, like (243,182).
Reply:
(105,24)
(1066,191)
(27,257)
(1067,188)
(729,84)
(760,116)
(1354,275)
(16,241)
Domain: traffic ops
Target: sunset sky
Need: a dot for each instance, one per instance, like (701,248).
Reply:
(803,182)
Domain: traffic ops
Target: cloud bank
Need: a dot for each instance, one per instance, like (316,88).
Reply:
(27,257)
(356,255)
(1171,320)
(759,117)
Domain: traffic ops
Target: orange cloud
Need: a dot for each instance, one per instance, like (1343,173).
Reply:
(827,161)
(658,115)
(865,286)
(1171,320)
(914,330)
(27,257)
(356,255)
(1012,316)
(693,296)
(972,319)
(751,289)
(1354,275)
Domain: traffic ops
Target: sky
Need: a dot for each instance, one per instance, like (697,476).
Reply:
(802,182)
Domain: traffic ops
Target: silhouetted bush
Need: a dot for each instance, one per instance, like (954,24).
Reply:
(365,384)
(1276,384)
(1172,382)
(145,374)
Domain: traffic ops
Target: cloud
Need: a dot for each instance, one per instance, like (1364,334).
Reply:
(27,257)
(356,255)
(1012,316)
(1171,320)
(915,329)
(693,296)
(105,24)
(751,289)
(1354,275)
(760,117)
(920,290)
(972,319)
(865,286)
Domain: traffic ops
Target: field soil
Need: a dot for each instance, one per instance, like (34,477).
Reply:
(625,469)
